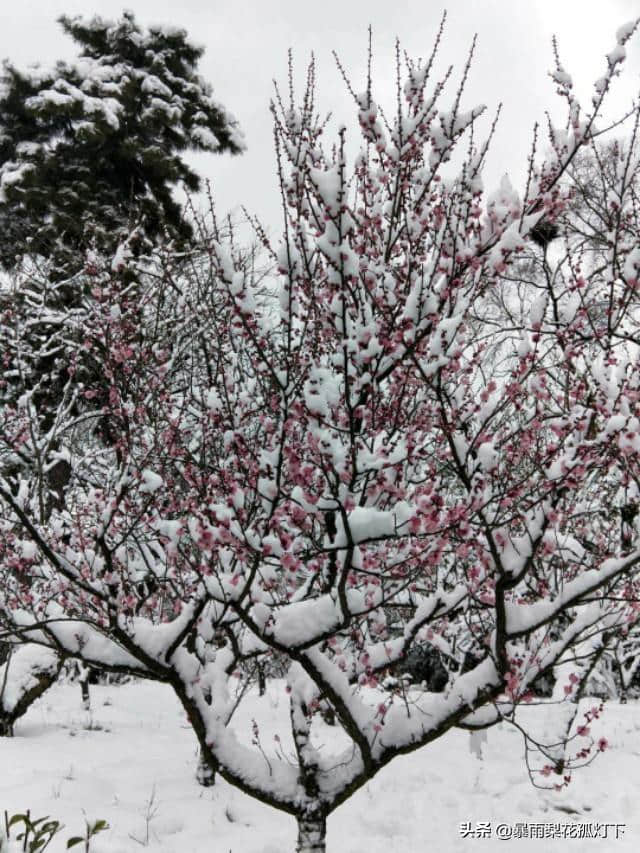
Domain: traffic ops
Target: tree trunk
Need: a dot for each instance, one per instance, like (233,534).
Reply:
(477,739)
(205,774)
(312,835)
(6,726)
(85,695)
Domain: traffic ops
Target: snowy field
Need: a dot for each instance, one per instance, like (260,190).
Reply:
(132,761)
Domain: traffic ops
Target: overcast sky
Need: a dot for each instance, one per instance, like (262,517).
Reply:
(246,48)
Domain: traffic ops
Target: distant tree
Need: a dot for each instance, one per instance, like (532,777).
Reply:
(91,149)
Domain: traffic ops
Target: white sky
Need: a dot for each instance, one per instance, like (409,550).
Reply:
(246,48)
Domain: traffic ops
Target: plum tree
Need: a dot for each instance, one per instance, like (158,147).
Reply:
(346,472)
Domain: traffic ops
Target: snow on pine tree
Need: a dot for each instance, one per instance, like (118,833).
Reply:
(90,149)
(365,464)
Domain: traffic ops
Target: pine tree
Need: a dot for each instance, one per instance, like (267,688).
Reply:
(92,149)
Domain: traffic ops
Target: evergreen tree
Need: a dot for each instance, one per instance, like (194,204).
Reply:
(92,149)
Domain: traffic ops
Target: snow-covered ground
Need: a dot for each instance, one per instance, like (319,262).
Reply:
(133,760)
